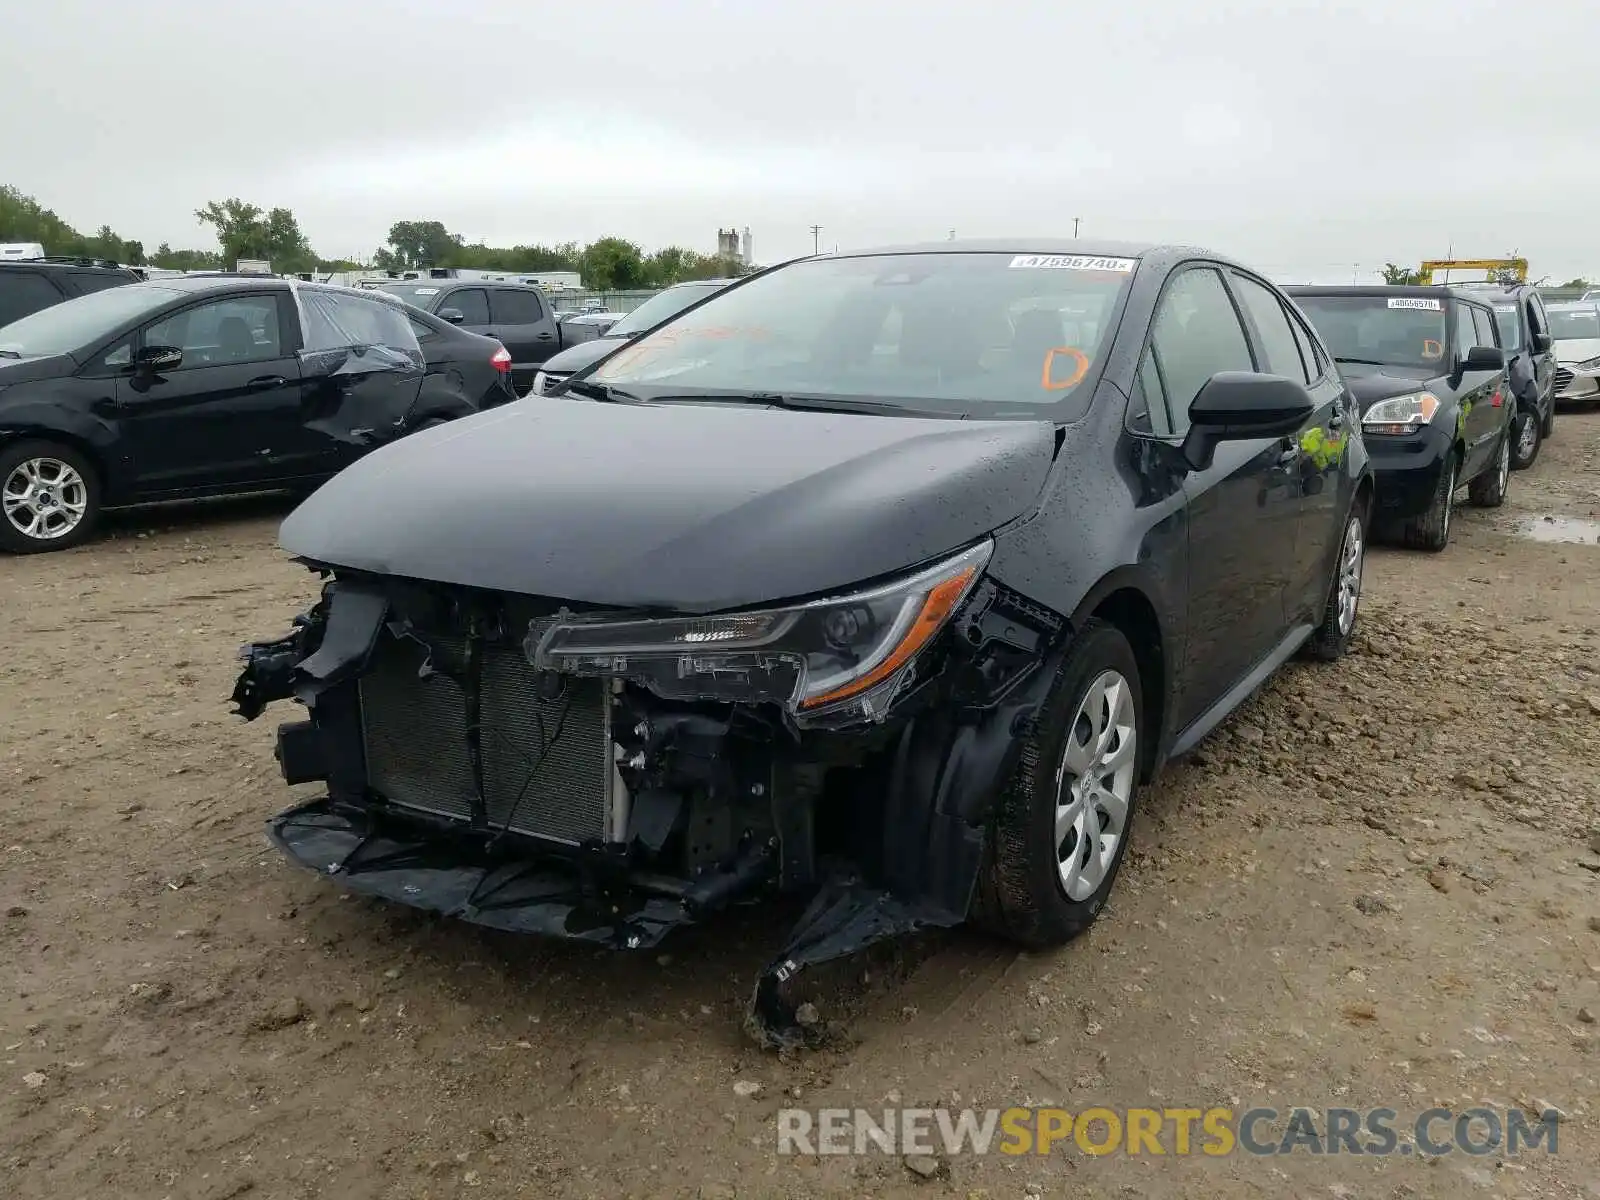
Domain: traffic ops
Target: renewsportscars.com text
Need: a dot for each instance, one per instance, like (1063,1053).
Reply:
(1210,1132)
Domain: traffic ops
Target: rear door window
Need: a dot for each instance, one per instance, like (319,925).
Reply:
(510,306)
(84,282)
(25,292)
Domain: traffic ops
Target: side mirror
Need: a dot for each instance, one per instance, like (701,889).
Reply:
(1542,342)
(1484,358)
(155,360)
(1241,406)
(454,315)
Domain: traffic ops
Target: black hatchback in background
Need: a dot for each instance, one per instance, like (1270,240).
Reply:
(210,385)
(1426,365)
(883,578)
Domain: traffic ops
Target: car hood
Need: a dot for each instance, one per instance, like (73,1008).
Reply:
(26,370)
(575,358)
(686,507)
(1576,350)
(1371,384)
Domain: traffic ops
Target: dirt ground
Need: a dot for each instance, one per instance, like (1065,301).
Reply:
(1375,886)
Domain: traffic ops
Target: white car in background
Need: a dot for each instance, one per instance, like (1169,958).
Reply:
(1575,326)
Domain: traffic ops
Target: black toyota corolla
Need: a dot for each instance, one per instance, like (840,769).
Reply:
(1427,369)
(884,578)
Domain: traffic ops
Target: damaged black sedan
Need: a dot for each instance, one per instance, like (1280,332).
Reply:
(884,578)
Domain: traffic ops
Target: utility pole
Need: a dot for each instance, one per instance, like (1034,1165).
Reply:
(816,239)
(1355,269)
(1074,226)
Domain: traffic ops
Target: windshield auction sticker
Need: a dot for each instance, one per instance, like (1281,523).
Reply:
(1422,302)
(1070,262)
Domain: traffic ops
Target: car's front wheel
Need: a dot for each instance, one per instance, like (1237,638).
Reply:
(1527,435)
(1431,529)
(1062,826)
(49,497)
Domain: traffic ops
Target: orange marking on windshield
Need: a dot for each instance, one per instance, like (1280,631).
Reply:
(1078,373)
(1432,349)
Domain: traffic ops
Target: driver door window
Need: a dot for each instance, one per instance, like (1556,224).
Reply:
(472,303)
(1466,332)
(1196,333)
(240,329)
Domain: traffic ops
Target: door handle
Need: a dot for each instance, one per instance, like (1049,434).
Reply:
(267,381)
(545,337)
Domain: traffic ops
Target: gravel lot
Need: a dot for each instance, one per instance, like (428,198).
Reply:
(1376,885)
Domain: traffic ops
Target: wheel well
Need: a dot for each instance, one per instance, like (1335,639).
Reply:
(1135,617)
(1364,494)
(90,454)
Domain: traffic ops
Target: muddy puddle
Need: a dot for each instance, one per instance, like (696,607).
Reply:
(1560,529)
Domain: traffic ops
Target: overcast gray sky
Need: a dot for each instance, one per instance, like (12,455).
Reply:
(1305,138)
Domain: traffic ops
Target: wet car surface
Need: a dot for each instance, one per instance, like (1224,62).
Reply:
(894,609)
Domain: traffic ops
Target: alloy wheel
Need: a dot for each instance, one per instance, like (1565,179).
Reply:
(1529,437)
(1094,785)
(1449,504)
(1351,559)
(44,498)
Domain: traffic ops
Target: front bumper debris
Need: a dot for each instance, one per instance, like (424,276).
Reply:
(721,805)
(501,891)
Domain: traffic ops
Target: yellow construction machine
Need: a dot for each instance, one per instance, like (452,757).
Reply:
(1499,270)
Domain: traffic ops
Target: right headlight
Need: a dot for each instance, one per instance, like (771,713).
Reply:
(837,660)
(1588,364)
(1401,414)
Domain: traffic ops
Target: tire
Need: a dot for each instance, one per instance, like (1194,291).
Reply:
(1023,891)
(1488,490)
(1527,437)
(1431,530)
(1332,637)
(49,497)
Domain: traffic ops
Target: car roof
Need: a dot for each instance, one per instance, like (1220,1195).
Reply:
(1158,254)
(65,264)
(1437,291)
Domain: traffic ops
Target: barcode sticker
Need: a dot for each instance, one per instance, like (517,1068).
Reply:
(1071,262)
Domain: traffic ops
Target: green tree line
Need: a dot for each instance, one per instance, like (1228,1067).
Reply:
(247,231)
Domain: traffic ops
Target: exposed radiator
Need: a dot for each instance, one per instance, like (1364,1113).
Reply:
(415,730)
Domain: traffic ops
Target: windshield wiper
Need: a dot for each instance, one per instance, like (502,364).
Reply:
(602,391)
(812,403)
(1365,362)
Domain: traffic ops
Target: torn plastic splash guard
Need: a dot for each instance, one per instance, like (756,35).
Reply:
(443,875)
(414,867)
